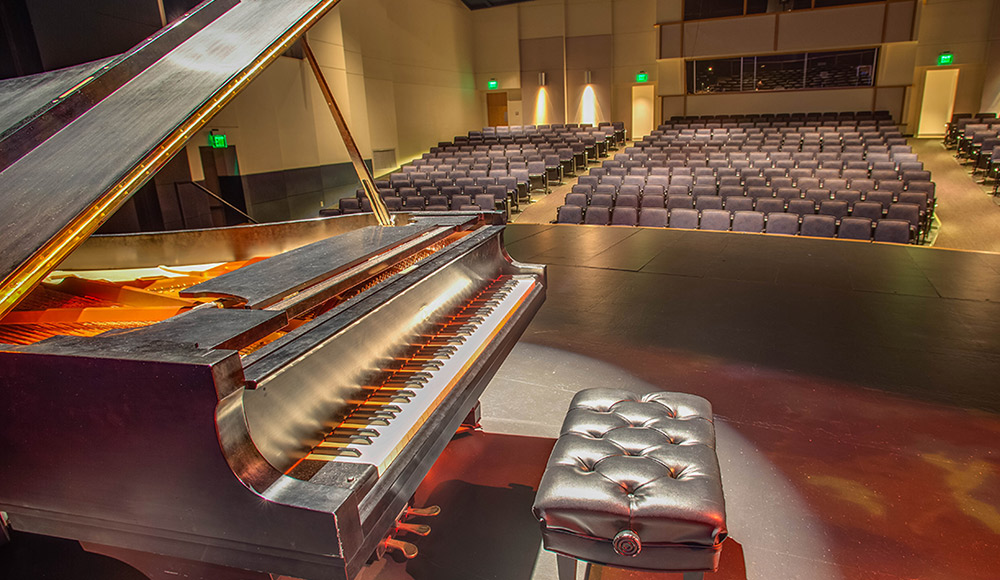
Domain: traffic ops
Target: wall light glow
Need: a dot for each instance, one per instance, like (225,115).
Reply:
(589,116)
(542,107)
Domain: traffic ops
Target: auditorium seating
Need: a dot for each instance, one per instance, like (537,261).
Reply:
(505,162)
(976,140)
(779,168)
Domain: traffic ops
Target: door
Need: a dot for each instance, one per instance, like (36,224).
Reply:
(938,102)
(642,110)
(222,177)
(496,109)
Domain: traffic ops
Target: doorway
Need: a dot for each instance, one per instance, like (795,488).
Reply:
(496,109)
(221,168)
(938,102)
(642,110)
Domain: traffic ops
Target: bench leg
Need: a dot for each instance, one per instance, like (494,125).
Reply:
(694,576)
(566,566)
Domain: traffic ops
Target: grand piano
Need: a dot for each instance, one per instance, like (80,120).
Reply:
(251,401)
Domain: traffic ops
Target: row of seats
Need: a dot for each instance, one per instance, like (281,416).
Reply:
(822,226)
(472,173)
(840,117)
(460,202)
(910,207)
(871,172)
(977,140)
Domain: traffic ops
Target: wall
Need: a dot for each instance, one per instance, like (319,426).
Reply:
(613,39)
(411,73)
(962,27)
(402,74)
(991,83)
(889,26)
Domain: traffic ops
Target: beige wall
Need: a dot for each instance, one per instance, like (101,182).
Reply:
(991,83)
(410,73)
(613,39)
(961,27)
(402,72)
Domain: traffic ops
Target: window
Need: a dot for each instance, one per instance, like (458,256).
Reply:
(704,9)
(783,72)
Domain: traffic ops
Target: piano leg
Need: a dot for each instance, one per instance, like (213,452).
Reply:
(157,567)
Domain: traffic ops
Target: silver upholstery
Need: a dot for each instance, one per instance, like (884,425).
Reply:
(641,469)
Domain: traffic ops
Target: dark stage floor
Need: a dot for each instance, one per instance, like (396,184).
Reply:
(855,387)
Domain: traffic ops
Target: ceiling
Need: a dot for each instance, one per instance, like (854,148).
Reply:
(477,4)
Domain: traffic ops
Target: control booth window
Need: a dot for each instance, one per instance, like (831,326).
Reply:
(705,9)
(783,72)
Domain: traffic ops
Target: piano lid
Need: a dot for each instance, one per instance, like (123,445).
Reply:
(58,193)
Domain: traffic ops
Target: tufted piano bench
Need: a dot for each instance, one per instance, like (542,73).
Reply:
(633,482)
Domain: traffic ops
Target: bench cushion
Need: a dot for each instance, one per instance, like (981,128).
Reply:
(639,468)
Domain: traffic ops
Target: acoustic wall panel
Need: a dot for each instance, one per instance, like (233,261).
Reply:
(729,36)
(670,76)
(895,66)
(670,40)
(588,17)
(899,21)
(781,102)
(831,28)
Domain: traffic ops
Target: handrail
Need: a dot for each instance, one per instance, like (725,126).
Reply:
(218,198)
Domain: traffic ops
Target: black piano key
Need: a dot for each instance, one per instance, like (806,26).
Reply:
(377,400)
(341,441)
(365,422)
(394,389)
(321,453)
(425,366)
(403,385)
(354,432)
(382,413)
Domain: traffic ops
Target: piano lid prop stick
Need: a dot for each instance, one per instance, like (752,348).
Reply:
(367,181)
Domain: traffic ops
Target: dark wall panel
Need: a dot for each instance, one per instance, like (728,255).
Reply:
(596,54)
(298,193)
(543,55)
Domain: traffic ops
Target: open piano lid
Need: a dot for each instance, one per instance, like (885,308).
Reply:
(67,166)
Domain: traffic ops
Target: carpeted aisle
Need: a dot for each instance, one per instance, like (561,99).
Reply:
(970,220)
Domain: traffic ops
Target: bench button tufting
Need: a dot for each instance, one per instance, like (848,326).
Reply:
(627,543)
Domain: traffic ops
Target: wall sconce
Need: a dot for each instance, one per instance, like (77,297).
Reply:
(587,77)
(542,79)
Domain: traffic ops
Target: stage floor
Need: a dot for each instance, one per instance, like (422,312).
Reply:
(855,387)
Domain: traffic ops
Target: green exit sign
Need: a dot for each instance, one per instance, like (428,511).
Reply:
(493,84)
(945,58)
(218,141)
(641,77)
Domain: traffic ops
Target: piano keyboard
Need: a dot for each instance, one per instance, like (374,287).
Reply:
(393,411)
